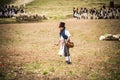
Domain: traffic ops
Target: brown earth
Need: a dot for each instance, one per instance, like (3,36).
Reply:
(27,51)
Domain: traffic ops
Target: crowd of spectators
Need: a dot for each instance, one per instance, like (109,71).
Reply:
(8,11)
(93,13)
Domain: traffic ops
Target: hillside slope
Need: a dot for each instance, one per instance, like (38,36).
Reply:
(62,8)
(22,2)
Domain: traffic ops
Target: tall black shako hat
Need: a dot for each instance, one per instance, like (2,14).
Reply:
(62,24)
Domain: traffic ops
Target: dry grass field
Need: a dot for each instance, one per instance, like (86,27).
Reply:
(55,9)
(27,51)
(62,9)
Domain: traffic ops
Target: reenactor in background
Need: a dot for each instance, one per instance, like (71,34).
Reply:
(112,4)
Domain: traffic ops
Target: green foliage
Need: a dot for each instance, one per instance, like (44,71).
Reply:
(2,77)
(45,72)
(3,2)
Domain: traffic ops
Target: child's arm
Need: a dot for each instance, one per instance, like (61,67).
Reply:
(68,39)
(58,43)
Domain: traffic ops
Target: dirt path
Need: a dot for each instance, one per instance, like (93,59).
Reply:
(22,2)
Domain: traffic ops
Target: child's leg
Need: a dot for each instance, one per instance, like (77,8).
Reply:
(68,58)
(67,54)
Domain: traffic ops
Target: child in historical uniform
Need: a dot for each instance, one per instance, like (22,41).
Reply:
(64,37)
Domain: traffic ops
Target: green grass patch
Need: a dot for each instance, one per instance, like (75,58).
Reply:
(3,2)
(7,20)
(62,8)
(32,66)
(2,77)
(45,72)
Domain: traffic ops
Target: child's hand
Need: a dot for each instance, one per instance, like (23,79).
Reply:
(56,44)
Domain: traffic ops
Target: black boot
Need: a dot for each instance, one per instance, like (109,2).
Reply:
(68,62)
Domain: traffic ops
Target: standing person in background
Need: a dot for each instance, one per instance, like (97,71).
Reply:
(64,38)
(74,11)
(111,3)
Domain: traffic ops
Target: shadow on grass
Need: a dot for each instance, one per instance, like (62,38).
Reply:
(2,77)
